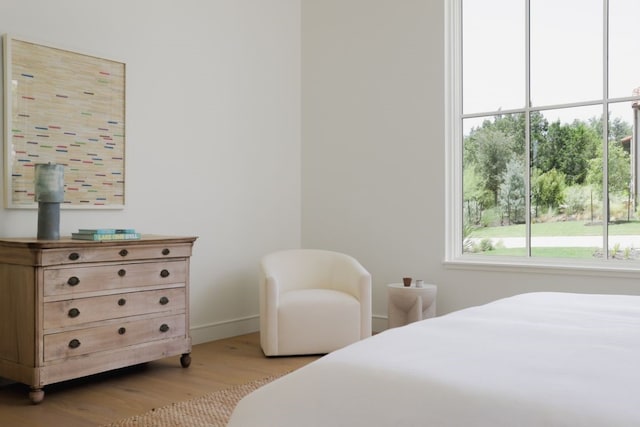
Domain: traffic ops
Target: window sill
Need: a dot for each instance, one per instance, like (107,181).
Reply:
(600,268)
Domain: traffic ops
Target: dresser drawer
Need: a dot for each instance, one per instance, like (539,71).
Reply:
(75,312)
(109,252)
(115,335)
(73,280)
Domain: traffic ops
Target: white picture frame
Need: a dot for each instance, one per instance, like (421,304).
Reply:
(66,108)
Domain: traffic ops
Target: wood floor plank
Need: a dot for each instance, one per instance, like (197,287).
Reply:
(107,397)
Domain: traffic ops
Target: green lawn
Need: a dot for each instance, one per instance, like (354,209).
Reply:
(545,252)
(567,228)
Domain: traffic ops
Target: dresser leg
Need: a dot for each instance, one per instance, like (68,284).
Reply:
(185,360)
(36,395)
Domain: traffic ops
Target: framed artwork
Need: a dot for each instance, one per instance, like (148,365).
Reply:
(67,108)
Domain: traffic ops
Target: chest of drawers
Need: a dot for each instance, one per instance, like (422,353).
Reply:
(71,308)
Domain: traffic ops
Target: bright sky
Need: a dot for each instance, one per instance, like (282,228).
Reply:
(566,54)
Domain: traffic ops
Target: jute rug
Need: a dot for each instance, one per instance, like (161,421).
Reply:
(211,410)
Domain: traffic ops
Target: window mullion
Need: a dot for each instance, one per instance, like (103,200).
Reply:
(605,127)
(527,127)
(453,109)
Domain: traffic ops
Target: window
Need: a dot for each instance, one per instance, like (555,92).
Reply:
(544,101)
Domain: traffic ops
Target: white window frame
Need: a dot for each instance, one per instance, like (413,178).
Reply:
(454,257)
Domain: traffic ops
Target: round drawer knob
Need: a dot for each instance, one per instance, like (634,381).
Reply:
(124,252)
(164,327)
(73,281)
(122,302)
(122,331)
(74,343)
(164,301)
(122,272)
(164,273)
(74,256)
(74,312)
(166,251)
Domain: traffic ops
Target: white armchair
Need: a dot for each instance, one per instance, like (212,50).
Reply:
(312,302)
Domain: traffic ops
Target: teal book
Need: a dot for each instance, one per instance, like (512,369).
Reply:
(105,236)
(106,230)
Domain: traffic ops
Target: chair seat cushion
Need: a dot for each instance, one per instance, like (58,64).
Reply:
(317,321)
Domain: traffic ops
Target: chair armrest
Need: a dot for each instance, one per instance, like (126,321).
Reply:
(269,298)
(351,277)
(364,286)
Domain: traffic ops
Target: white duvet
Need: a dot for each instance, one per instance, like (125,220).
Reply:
(539,359)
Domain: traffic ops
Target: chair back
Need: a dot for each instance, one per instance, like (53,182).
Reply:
(305,268)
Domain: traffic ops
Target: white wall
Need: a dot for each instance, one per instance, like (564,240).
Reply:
(213,132)
(214,120)
(373,152)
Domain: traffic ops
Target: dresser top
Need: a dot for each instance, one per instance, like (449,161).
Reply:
(67,241)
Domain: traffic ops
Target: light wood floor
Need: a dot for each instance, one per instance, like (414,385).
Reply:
(104,398)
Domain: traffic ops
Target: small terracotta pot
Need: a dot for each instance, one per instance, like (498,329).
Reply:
(406,281)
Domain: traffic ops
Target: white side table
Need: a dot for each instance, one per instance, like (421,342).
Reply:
(406,304)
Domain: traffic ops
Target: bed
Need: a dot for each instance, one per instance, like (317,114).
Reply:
(537,359)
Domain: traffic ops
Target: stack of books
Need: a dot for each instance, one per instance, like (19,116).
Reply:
(105,234)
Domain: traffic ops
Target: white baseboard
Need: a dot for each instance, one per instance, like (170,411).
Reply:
(246,325)
(224,329)
(379,323)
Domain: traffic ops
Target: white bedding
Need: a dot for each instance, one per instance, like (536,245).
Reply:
(539,359)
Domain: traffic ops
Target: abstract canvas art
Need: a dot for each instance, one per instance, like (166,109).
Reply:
(65,108)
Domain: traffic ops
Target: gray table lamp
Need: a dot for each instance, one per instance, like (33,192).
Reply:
(49,193)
